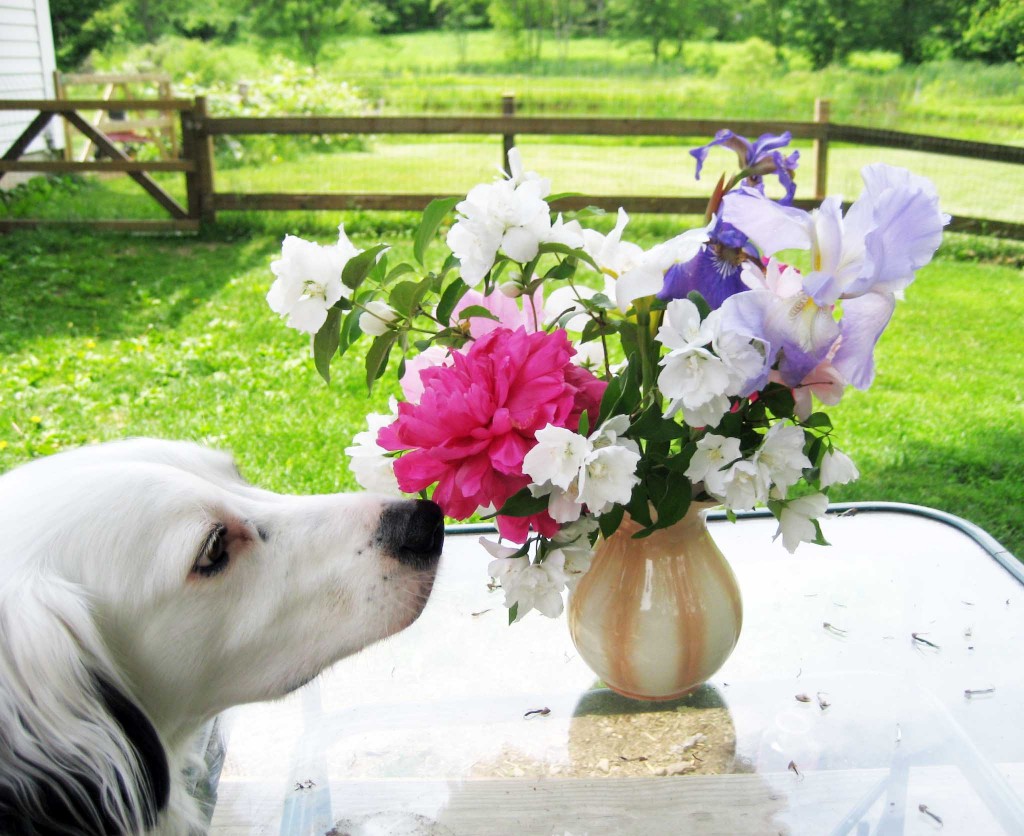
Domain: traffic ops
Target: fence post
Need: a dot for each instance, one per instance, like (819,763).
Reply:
(189,142)
(508,141)
(820,150)
(60,94)
(203,149)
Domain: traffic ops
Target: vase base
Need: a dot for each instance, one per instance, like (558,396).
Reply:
(675,695)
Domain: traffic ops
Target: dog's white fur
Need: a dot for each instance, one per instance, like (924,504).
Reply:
(98,583)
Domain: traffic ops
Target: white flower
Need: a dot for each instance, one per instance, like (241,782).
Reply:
(573,542)
(837,469)
(374,320)
(708,414)
(574,471)
(744,485)
(567,299)
(744,358)
(569,234)
(590,355)
(531,585)
(782,453)
(564,506)
(512,289)
(796,520)
(508,215)
(557,457)
(613,256)
(691,379)
(308,280)
(373,468)
(647,275)
(682,330)
(475,243)
(608,477)
(714,452)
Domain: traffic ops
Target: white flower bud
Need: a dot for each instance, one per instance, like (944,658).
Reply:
(375,319)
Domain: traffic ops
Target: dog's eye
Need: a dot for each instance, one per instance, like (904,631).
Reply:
(213,557)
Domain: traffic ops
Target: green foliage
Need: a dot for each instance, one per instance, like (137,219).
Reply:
(994,32)
(308,25)
(74,35)
(288,91)
(658,22)
(523,22)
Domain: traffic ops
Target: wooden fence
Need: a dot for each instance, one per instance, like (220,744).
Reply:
(203,201)
(115,122)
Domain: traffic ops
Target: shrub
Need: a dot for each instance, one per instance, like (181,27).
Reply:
(874,61)
(287,90)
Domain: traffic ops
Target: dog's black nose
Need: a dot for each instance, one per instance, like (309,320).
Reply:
(413,532)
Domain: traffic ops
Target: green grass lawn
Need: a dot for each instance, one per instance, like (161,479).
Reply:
(106,336)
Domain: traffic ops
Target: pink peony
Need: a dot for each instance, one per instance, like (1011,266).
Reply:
(477,418)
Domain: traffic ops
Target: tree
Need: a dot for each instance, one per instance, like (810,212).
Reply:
(656,21)
(459,17)
(524,21)
(310,24)
(73,40)
(994,32)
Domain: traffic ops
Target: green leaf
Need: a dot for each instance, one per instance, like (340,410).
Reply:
(523,504)
(405,296)
(610,521)
(377,357)
(638,505)
(326,343)
(818,421)
(398,271)
(563,270)
(551,198)
(673,505)
(350,331)
(513,613)
(476,310)
(562,249)
(359,266)
(651,425)
(584,426)
(435,213)
(703,308)
(449,299)
(623,393)
(779,399)
(819,540)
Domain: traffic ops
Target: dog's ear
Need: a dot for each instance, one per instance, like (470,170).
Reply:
(77,755)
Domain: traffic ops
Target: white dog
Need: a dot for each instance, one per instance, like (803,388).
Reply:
(145,587)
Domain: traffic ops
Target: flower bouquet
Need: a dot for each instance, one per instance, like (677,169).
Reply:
(556,378)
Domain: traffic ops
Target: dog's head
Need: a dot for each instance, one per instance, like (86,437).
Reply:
(148,582)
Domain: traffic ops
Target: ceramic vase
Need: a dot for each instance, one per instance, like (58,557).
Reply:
(655,617)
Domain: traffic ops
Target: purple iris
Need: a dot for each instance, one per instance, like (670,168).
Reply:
(757,159)
(715,271)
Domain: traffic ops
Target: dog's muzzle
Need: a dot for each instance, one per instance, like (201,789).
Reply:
(413,532)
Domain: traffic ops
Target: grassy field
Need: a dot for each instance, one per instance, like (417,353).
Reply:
(105,336)
(437,72)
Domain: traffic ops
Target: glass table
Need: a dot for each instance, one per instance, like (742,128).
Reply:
(876,689)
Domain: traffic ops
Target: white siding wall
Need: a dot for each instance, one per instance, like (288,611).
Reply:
(26,67)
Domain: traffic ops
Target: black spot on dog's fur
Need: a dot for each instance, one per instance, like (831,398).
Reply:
(66,803)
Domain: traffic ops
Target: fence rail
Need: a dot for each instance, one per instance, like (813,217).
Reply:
(198,129)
